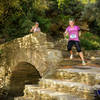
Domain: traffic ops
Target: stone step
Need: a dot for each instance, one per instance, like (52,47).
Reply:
(87,75)
(23,98)
(87,53)
(74,88)
(95,61)
(69,62)
(28,91)
(46,94)
(66,54)
(77,61)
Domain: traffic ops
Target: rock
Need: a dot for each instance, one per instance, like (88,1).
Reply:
(92,58)
(88,75)
(74,88)
(23,98)
(34,50)
(25,60)
(46,94)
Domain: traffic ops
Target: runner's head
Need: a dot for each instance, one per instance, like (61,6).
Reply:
(71,22)
(36,24)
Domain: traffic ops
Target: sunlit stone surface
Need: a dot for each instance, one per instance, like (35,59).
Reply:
(25,60)
(87,75)
(78,83)
(47,94)
(34,50)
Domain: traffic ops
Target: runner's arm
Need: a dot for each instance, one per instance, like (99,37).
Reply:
(32,29)
(65,33)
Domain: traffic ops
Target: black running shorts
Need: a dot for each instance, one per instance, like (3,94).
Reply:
(76,43)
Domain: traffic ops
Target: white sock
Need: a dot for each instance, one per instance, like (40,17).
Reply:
(71,56)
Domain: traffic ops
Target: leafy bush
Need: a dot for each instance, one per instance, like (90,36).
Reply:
(90,41)
(91,14)
(71,7)
(17,18)
(44,23)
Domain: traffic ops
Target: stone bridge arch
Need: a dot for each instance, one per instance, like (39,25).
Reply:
(33,49)
(23,73)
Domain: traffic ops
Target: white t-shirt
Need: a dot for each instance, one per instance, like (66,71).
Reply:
(37,29)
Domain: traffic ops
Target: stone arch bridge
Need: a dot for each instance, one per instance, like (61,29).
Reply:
(32,54)
(25,60)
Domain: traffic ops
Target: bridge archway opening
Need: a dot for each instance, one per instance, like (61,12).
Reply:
(23,74)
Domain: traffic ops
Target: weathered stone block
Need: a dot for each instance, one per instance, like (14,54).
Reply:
(23,98)
(47,94)
(81,90)
(89,76)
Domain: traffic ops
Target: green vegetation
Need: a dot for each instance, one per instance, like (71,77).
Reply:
(17,17)
(87,1)
(90,41)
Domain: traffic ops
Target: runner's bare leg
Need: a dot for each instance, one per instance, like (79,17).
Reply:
(71,54)
(82,58)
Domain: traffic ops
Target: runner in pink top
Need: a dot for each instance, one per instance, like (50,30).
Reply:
(73,31)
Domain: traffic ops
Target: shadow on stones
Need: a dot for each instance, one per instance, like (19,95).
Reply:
(22,74)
